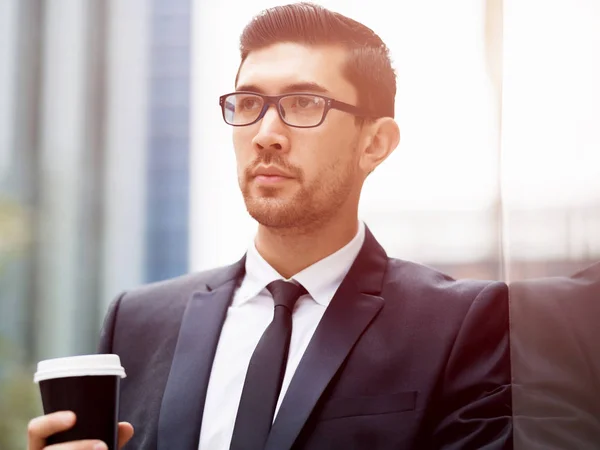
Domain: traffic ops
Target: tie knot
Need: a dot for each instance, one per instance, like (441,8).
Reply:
(285,293)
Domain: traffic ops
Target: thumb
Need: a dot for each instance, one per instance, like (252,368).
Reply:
(125,433)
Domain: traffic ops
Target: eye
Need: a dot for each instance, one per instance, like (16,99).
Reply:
(304,102)
(248,103)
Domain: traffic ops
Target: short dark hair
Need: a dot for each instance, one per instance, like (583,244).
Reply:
(368,66)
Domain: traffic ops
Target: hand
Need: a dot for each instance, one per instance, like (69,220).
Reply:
(42,427)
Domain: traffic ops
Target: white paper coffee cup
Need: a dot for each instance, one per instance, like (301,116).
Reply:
(88,385)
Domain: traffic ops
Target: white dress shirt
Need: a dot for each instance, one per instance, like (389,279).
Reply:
(250,313)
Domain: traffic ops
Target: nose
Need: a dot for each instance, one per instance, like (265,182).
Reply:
(272,132)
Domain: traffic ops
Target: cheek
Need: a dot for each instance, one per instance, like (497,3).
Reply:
(336,150)
(323,167)
(242,146)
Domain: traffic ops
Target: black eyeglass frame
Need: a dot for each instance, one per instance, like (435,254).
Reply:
(274,100)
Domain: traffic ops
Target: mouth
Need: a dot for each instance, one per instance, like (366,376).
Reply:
(270,179)
(270,175)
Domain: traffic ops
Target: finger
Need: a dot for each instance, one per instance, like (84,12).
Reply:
(42,427)
(79,445)
(125,433)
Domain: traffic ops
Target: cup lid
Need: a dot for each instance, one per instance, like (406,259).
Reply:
(78,366)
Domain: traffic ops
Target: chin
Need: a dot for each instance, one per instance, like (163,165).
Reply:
(272,212)
(276,212)
(285,215)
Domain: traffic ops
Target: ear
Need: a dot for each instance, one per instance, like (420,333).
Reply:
(382,137)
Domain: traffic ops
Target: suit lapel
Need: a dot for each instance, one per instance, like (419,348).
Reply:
(185,392)
(352,309)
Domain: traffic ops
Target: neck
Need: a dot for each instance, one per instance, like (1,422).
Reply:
(290,251)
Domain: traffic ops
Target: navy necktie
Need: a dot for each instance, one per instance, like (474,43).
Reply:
(265,372)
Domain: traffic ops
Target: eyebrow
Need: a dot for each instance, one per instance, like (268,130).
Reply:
(305,86)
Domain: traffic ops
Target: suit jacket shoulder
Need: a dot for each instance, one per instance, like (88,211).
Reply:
(153,303)
(437,289)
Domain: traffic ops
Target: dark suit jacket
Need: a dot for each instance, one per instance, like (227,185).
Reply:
(556,361)
(404,357)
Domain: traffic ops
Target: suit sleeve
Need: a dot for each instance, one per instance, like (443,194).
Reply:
(107,332)
(475,407)
(556,395)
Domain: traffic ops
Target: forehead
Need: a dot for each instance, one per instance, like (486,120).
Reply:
(273,69)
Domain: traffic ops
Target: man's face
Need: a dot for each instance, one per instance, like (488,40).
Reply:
(320,165)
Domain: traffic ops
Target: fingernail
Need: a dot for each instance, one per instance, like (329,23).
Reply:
(100,446)
(68,417)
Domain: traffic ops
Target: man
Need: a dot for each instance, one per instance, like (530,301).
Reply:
(556,361)
(383,353)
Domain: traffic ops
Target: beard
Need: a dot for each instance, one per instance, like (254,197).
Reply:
(308,206)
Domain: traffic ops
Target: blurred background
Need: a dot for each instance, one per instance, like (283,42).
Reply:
(116,168)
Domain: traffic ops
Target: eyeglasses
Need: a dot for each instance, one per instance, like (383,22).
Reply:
(300,110)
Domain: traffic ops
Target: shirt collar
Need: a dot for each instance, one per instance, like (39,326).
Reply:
(321,280)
